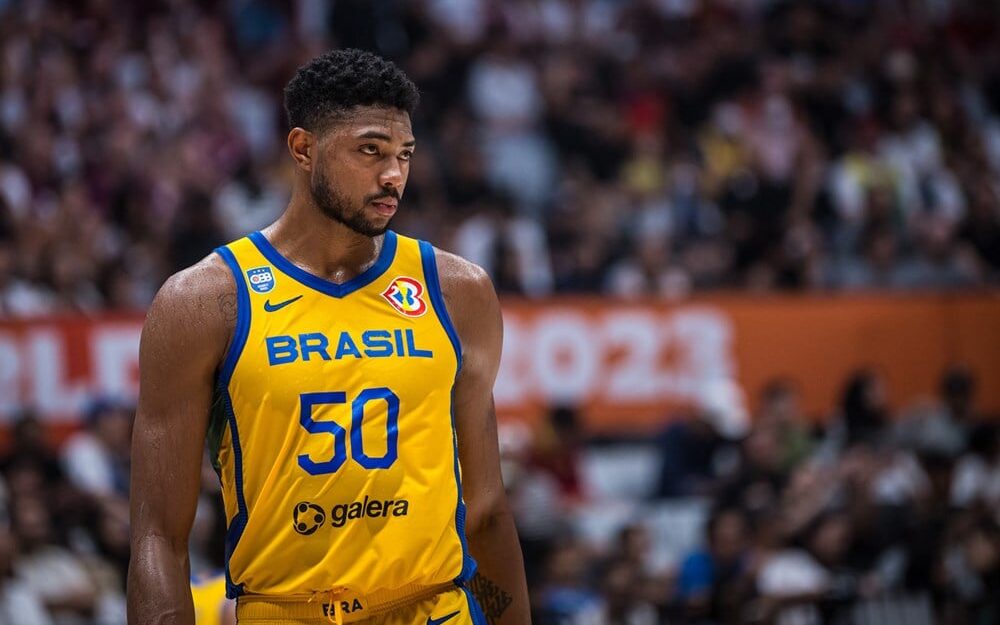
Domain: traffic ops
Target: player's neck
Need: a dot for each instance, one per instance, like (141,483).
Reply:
(320,245)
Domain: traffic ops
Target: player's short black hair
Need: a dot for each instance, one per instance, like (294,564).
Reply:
(337,81)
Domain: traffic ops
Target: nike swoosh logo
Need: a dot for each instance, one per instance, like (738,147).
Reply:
(438,621)
(269,307)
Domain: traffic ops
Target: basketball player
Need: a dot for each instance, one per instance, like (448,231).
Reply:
(343,375)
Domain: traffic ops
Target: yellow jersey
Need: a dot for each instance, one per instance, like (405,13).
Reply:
(333,431)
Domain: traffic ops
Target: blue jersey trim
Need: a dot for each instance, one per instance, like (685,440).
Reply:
(333,289)
(429,263)
(434,290)
(235,530)
(242,316)
(475,611)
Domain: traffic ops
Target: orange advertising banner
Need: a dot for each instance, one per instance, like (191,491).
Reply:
(633,366)
(630,366)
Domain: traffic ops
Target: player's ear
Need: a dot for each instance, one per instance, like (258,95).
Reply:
(301,145)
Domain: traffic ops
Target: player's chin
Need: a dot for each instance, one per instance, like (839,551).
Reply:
(379,219)
(374,226)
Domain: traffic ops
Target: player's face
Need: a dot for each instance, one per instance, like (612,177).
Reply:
(361,168)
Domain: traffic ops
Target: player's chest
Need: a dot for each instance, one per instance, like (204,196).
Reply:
(311,340)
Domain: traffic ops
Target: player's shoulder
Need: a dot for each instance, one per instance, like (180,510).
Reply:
(205,281)
(462,277)
(468,291)
(457,272)
(198,302)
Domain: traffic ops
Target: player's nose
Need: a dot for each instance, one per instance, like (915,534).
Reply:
(391,176)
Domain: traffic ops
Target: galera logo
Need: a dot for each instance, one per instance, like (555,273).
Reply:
(307,518)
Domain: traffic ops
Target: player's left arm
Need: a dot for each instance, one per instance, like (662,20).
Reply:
(474,309)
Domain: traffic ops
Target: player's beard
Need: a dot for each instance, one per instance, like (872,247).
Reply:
(338,208)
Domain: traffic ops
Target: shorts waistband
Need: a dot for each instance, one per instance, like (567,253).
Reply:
(336,605)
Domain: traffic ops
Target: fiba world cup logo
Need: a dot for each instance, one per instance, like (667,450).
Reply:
(406,296)
(307,518)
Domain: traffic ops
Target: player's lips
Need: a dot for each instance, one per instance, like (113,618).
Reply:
(385,207)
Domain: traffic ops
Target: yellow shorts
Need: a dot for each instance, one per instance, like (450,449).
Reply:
(451,607)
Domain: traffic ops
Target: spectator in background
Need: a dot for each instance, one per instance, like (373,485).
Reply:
(19,297)
(30,465)
(686,450)
(633,586)
(251,200)
(779,409)
(712,581)
(504,93)
(958,396)
(943,426)
(971,566)
(864,406)
(755,484)
(624,603)
(876,267)
(689,450)
(939,261)
(788,580)
(20,604)
(96,459)
(564,597)
(58,577)
(863,412)
(981,226)
(831,542)
(557,450)
(536,500)
(976,481)
(633,548)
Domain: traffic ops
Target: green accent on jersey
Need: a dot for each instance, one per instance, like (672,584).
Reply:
(216,428)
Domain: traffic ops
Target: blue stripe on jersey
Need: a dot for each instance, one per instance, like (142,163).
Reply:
(437,299)
(434,290)
(475,611)
(243,312)
(333,289)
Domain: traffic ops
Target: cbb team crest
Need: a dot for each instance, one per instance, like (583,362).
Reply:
(405,295)
(261,279)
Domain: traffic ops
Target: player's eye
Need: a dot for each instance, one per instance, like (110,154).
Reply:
(369,149)
(406,155)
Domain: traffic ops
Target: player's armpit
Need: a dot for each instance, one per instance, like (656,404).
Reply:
(183,340)
(475,312)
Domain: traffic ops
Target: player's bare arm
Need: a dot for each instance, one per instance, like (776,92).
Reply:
(183,340)
(474,309)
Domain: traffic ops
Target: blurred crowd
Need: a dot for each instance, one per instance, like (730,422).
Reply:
(871,518)
(862,517)
(64,535)
(645,147)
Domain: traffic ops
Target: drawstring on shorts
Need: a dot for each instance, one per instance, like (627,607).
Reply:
(335,614)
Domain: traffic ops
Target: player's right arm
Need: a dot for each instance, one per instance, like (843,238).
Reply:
(184,339)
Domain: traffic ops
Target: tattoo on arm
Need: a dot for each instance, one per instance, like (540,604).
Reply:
(227,306)
(493,599)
